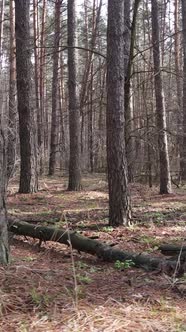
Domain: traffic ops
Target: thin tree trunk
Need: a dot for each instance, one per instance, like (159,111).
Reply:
(90,123)
(183,162)
(4,248)
(1,28)
(12,126)
(36,77)
(119,202)
(84,110)
(41,114)
(36,53)
(54,124)
(165,180)
(130,32)
(177,57)
(1,58)
(89,59)
(28,175)
(74,112)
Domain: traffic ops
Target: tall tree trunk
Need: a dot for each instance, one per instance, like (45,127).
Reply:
(90,92)
(54,124)
(90,123)
(1,28)
(89,59)
(36,53)
(4,249)
(1,57)
(41,115)
(28,175)
(74,112)
(183,163)
(84,109)
(165,181)
(130,33)
(119,202)
(36,77)
(12,127)
(178,82)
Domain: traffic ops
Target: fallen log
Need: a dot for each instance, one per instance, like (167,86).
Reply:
(173,250)
(90,246)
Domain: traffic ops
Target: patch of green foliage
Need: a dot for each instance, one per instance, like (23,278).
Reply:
(108,229)
(119,265)
(39,299)
(85,279)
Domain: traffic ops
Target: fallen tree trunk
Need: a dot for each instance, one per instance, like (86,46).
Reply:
(172,250)
(87,245)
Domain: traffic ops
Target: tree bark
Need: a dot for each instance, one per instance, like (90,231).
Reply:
(42,145)
(171,250)
(36,79)
(4,248)
(90,246)
(165,180)
(119,201)
(55,84)
(178,84)
(130,34)
(28,175)
(74,112)
(1,28)
(183,162)
(12,119)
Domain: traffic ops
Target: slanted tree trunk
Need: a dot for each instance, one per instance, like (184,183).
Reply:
(4,249)
(183,163)
(54,125)
(28,175)
(12,125)
(165,180)
(74,112)
(119,201)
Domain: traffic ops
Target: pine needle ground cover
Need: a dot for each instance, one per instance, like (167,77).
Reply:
(52,288)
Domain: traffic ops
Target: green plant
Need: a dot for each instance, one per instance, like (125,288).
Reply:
(94,269)
(149,240)
(124,265)
(28,258)
(84,279)
(39,299)
(40,198)
(108,229)
(23,198)
(82,265)
(149,250)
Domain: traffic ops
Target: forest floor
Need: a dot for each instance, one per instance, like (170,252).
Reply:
(53,289)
